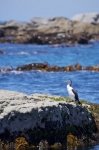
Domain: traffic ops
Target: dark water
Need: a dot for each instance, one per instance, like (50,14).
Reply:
(85,82)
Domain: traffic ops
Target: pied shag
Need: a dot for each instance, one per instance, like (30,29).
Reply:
(72,93)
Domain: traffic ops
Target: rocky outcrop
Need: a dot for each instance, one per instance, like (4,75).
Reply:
(49,68)
(59,30)
(39,117)
(92,18)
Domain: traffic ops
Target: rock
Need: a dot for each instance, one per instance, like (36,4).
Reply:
(21,144)
(12,24)
(87,18)
(92,68)
(82,40)
(52,25)
(6,69)
(58,30)
(33,66)
(57,146)
(40,117)
(72,141)
(78,67)
(38,21)
(47,67)
(43,144)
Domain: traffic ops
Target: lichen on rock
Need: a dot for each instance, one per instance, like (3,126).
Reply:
(38,117)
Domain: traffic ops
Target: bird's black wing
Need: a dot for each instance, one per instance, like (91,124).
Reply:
(76,95)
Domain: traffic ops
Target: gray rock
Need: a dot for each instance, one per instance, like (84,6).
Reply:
(40,116)
(58,30)
(87,18)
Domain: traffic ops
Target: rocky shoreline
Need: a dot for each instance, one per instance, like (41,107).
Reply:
(48,68)
(58,30)
(45,119)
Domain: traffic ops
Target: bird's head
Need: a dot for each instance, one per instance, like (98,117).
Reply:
(69,82)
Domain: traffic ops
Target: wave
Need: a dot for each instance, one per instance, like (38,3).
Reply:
(23,53)
(16,72)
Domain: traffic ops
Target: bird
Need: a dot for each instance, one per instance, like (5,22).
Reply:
(72,93)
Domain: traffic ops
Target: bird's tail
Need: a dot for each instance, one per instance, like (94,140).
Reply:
(78,102)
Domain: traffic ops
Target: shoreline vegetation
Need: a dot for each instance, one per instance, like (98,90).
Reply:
(46,121)
(57,30)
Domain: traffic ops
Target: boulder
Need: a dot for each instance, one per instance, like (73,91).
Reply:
(38,117)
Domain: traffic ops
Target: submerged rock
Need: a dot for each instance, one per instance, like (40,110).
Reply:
(40,117)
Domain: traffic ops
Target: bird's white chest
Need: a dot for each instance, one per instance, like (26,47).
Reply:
(70,92)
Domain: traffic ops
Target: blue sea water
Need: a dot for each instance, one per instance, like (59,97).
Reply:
(15,54)
(85,82)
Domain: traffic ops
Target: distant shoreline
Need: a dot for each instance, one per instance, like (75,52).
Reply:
(58,30)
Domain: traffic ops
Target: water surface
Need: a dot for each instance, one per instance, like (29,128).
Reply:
(85,82)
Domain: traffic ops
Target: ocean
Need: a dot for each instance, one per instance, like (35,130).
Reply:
(85,82)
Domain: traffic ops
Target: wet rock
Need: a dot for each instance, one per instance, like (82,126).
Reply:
(21,144)
(69,68)
(57,146)
(47,67)
(34,66)
(78,67)
(83,40)
(6,69)
(43,145)
(92,68)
